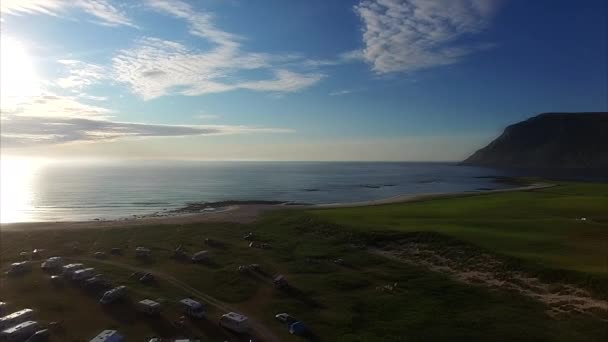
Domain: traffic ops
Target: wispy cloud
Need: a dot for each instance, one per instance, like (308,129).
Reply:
(156,67)
(53,105)
(102,10)
(340,92)
(409,35)
(24,131)
(81,74)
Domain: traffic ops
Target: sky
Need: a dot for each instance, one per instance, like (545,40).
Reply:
(413,80)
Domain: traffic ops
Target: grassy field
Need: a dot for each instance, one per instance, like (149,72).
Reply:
(338,302)
(542,227)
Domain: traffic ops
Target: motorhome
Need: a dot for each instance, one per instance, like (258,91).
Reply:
(235,322)
(19,332)
(16,318)
(193,308)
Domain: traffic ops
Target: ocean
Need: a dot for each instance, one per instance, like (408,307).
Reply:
(110,190)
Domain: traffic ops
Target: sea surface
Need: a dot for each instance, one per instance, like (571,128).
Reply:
(84,191)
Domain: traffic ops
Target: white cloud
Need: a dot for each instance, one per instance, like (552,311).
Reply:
(81,74)
(409,35)
(103,11)
(55,119)
(201,24)
(285,81)
(340,92)
(157,67)
(25,131)
(52,105)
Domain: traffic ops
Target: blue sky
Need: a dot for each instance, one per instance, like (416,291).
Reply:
(291,80)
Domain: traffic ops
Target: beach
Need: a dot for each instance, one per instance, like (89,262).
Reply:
(241,213)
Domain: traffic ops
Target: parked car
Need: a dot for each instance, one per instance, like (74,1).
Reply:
(284,318)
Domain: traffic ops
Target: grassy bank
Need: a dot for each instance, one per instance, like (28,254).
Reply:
(340,302)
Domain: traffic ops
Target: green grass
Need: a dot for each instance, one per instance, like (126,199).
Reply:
(540,227)
(341,303)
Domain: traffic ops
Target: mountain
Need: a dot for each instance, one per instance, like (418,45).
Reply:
(550,140)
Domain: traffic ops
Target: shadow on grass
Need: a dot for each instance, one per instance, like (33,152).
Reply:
(301,296)
(208,263)
(159,325)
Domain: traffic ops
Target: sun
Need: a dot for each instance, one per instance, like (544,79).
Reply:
(18,79)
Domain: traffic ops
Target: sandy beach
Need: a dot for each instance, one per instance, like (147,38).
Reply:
(241,213)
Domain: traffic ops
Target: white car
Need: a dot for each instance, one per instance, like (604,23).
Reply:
(284,317)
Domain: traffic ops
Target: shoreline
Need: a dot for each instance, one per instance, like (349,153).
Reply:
(240,212)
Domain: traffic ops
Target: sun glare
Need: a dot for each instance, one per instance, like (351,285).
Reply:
(18,79)
(17,189)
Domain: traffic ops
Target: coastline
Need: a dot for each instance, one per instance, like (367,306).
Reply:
(242,212)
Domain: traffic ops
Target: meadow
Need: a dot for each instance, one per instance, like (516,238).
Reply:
(338,288)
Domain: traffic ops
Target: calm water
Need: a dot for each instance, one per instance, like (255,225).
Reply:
(61,191)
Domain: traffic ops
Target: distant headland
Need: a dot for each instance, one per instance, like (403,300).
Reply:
(549,140)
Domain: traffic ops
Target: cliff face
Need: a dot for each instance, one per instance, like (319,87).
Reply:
(550,140)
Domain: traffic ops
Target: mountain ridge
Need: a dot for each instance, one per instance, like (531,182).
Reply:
(549,140)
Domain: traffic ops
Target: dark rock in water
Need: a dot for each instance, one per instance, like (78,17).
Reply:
(197,207)
(311,190)
(370,186)
(428,181)
(550,140)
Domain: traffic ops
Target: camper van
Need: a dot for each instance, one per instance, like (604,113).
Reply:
(84,273)
(15,318)
(148,307)
(235,322)
(193,308)
(68,270)
(52,263)
(20,332)
(113,294)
